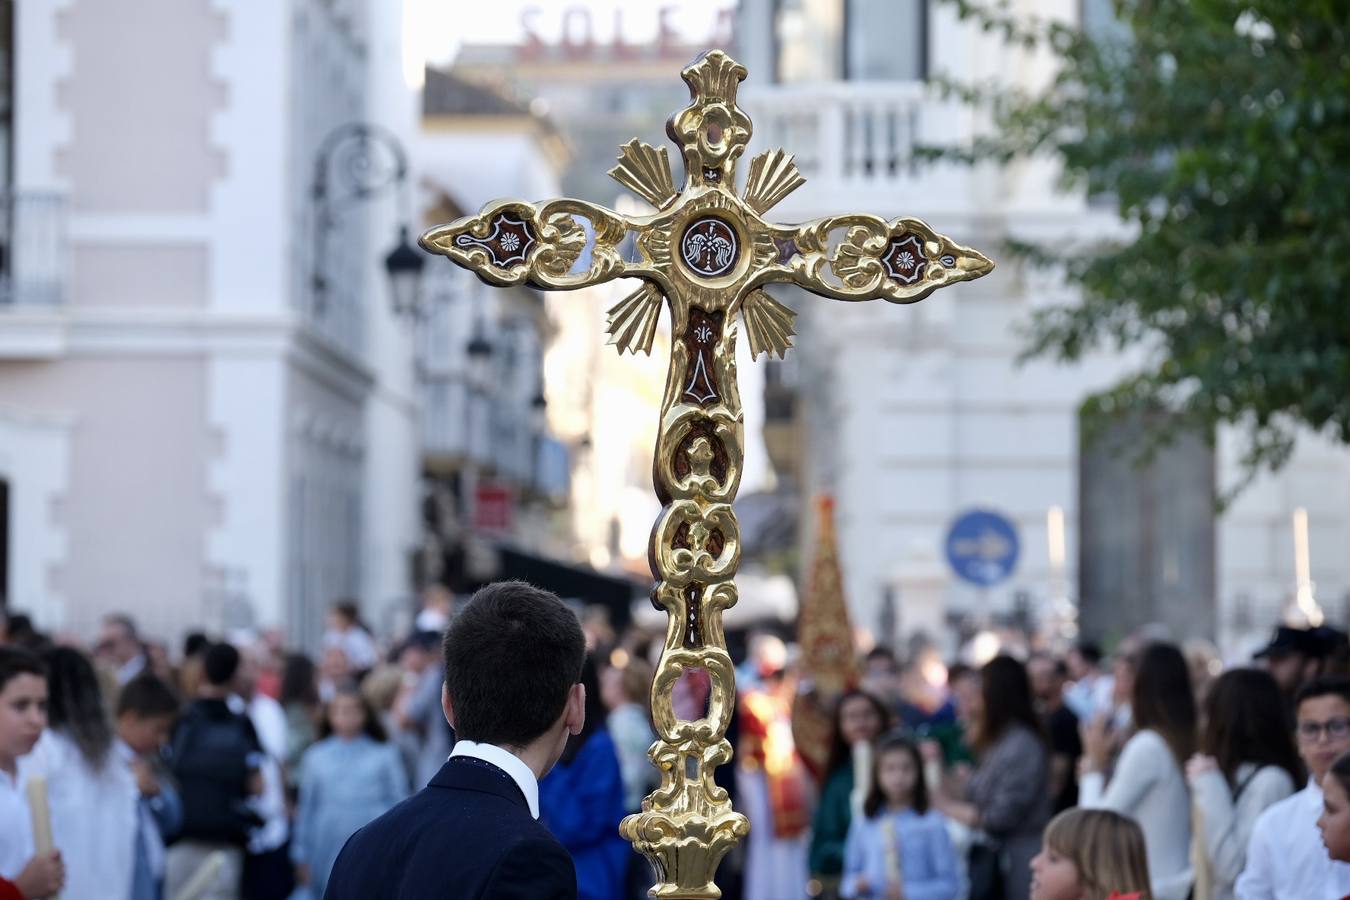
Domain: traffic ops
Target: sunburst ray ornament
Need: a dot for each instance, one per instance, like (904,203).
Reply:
(632,321)
(645,170)
(707,254)
(773,175)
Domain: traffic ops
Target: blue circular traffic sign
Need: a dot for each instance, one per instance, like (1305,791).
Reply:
(982,547)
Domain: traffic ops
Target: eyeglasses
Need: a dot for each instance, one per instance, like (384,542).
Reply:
(1337,729)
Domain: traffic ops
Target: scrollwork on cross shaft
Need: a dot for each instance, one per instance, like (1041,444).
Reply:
(698,461)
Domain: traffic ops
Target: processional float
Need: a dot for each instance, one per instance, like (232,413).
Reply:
(707,252)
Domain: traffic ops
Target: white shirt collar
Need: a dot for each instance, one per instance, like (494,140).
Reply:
(509,763)
(131,668)
(124,751)
(1295,862)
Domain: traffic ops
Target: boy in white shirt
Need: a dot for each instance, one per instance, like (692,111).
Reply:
(23,717)
(1286,859)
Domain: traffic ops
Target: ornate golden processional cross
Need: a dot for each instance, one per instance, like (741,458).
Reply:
(708,253)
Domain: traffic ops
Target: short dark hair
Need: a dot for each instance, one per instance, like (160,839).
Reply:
(348,610)
(430,641)
(18,623)
(148,697)
(1057,664)
(891,743)
(512,655)
(881,651)
(1323,686)
(220,663)
(1091,653)
(15,661)
(195,644)
(1340,770)
(125,622)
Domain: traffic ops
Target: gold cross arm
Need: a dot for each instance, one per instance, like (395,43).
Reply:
(708,251)
(705,246)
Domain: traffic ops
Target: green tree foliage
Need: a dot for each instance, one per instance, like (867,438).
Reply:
(1221,132)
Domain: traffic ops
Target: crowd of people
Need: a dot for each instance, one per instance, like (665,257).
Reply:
(240,767)
(1160,776)
(239,771)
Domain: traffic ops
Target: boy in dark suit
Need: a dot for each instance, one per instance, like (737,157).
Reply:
(513,661)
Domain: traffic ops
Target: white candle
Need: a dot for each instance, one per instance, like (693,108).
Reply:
(1303,582)
(42,817)
(862,777)
(206,873)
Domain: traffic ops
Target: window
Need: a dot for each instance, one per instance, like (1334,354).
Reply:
(808,46)
(6,93)
(6,154)
(1100,21)
(1147,547)
(886,40)
(4,543)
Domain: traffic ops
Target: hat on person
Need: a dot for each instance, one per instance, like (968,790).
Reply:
(1287,641)
(1330,641)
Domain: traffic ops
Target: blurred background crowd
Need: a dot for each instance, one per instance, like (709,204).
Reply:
(241,752)
(1073,498)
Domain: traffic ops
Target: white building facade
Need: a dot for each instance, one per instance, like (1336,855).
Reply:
(496,479)
(187,433)
(912,415)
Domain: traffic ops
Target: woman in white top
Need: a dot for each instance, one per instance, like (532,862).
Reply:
(1147,784)
(92,793)
(1247,762)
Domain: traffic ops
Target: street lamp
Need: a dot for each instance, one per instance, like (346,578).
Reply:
(538,429)
(479,350)
(404,264)
(357,162)
(539,411)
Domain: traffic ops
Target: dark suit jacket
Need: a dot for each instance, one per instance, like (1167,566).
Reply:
(468,835)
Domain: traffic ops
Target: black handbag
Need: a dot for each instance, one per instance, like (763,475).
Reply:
(985,872)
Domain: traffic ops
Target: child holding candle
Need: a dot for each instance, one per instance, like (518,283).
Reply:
(23,716)
(899,848)
(92,794)
(146,710)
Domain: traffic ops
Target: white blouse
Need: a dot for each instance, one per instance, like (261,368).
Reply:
(1286,859)
(93,817)
(1228,822)
(1148,786)
(16,831)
